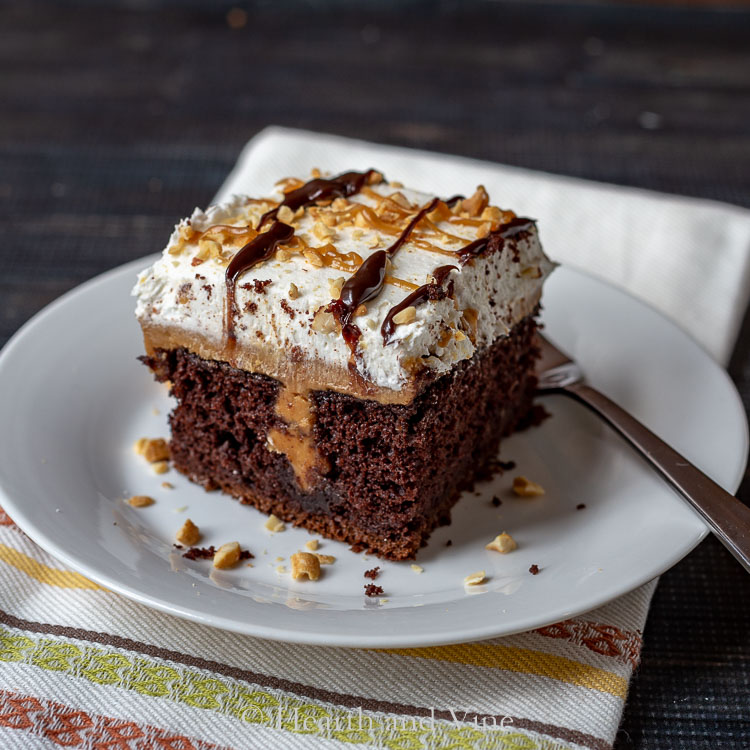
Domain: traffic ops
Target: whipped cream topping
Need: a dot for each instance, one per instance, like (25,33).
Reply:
(281,302)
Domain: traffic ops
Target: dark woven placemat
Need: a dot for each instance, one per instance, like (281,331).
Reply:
(118,118)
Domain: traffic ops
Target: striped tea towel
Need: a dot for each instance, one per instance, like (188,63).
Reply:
(83,667)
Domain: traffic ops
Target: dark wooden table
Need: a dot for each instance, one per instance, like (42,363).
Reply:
(117,119)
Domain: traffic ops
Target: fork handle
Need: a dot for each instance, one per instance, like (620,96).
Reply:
(728,517)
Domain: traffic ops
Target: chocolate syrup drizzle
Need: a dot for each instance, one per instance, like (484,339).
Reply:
(257,250)
(263,246)
(512,228)
(343,186)
(367,281)
(432,290)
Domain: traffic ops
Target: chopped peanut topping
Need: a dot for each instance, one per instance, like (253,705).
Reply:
(361,310)
(305,565)
(141,501)
(526,488)
(475,205)
(312,545)
(189,534)
(417,568)
(293,291)
(484,229)
(475,578)
(285,214)
(313,258)
(160,467)
(407,315)
(400,199)
(152,449)
(321,231)
(502,543)
(227,555)
(209,249)
(492,214)
(324,322)
(274,524)
(335,286)
(282,254)
(325,559)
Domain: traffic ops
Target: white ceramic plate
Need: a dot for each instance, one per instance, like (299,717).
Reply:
(73,399)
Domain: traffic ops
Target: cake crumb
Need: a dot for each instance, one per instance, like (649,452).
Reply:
(167,485)
(474,579)
(449,543)
(200,553)
(305,565)
(372,590)
(227,555)
(259,285)
(180,508)
(325,559)
(580,506)
(279,559)
(534,570)
(372,574)
(141,501)
(312,545)
(281,569)
(524,487)
(496,501)
(189,534)
(274,524)
(160,467)
(417,568)
(502,543)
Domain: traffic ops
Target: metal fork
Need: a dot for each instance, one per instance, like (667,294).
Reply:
(728,518)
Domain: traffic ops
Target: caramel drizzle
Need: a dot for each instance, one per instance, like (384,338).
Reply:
(417,297)
(257,250)
(368,280)
(343,186)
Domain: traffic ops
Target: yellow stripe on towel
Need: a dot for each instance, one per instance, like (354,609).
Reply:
(525,661)
(64,579)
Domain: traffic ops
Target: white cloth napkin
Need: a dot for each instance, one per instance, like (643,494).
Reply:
(688,258)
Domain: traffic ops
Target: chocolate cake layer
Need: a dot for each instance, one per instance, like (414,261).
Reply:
(389,473)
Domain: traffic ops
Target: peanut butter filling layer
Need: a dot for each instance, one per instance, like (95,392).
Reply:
(297,373)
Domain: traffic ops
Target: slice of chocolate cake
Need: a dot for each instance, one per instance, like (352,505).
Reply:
(346,353)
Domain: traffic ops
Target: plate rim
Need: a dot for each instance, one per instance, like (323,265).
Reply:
(354,640)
